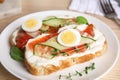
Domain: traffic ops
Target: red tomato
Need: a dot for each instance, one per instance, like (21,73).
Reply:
(89,30)
(71,50)
(22,40)
(42,39)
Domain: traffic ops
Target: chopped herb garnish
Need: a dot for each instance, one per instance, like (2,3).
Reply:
(77,73)
(93,66)
(55,50)
(53,55)
(69,76)
(87,45)
(86,70)
(64,53)
(77,49)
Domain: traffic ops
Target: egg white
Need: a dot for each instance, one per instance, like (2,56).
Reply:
(33,29)
(75,32)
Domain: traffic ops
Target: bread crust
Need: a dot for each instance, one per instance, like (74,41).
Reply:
(45,70)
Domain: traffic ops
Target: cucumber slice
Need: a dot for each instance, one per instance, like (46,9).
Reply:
(86,39)
(53,43)
(69,21)
(36,50)
(54,22)
(44,28)
(50,17)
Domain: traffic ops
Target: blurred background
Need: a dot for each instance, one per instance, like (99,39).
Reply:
(21,7)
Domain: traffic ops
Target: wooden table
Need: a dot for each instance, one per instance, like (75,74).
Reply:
(30,6)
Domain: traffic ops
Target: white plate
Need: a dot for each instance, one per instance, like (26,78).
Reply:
(103,64)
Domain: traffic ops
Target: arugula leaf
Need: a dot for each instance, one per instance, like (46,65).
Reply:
(81,20)
(16,54)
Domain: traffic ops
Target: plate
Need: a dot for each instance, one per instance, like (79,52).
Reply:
(103,63)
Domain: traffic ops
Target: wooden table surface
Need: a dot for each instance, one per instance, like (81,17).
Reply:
(30,6)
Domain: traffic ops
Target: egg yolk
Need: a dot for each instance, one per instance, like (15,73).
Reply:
(68,37)
(31,23)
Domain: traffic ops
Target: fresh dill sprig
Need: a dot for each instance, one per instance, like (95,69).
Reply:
(60,76)
(77,73)
(69,76)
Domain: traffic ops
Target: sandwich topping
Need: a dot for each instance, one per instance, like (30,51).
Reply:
(48,41)
(50,50)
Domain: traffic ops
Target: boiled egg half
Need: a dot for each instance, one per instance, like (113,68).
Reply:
(69,37)
(32,24)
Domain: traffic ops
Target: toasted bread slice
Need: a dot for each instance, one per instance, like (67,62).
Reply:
(50,68)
